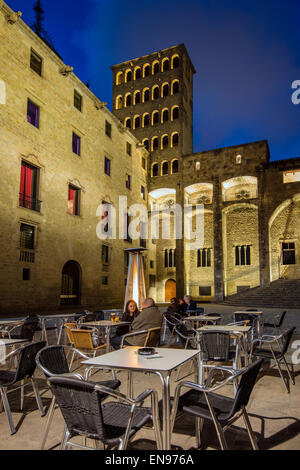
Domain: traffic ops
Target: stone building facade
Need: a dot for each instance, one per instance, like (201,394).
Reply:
(250,205)
(62,154)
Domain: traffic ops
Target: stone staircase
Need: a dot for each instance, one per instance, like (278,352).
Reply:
(282,293)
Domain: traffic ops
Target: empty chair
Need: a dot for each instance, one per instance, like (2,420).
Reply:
(68,329)
(250,320)
(275,347)
(204,404)
(152,337)
(26,330)
(85,340)
(172,320)
(188,337)
(215,346)
(112,423)
(53,361)
(25,369)
(278,320)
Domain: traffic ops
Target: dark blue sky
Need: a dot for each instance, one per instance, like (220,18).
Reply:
(246,55)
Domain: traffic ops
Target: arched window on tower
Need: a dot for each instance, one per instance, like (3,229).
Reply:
(128,100)
(175,113)
(137,122)
(137,73)
(165,168)
(175,139)
(128,76)
(119,102)
(155,169)
(146,95)
(175,61)
(155,143)
(128,123)
(165,65)
(137,97)
(119,78)
(165,115)
(146,144)
(146,120)
(175,87)
(155,67)
(165,90)
(175,166)
(155,92)
(146,70)
(155,117)
(165,141)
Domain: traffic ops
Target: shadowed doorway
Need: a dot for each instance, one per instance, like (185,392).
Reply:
(70,284)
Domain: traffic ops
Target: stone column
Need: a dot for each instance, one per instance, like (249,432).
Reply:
(180,281)
(218,242)
(263,230)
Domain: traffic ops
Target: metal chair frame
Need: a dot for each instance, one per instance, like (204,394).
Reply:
(4,390)
(133,404)
(234,374)
(276,340)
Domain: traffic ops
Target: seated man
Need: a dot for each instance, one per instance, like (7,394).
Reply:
(189,304)
(150,317)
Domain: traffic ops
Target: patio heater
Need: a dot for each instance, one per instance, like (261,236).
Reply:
(135,286)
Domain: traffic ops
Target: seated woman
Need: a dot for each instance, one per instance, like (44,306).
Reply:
(176,306)
(131,312)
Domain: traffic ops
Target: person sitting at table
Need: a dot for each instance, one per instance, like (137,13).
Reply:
(176,306)
(189,304)
(149,317)
(131,312)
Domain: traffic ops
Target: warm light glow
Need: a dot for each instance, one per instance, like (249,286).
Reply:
(291,176)
(135,287)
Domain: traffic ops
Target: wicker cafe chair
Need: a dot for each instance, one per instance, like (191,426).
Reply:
(26,329)
(276,348)
(278,321)
(53,361)
(204,404)
(112,423)
(68,329)
(152,337)
(83,341)
(25,369)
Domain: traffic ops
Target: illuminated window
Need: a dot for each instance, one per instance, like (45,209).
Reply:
(291,176)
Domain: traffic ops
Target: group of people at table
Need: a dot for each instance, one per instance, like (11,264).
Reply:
(148,317)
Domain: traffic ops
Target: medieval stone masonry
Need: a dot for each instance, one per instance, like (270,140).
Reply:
(63,153)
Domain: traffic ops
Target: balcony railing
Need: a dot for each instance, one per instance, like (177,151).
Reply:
(26,256)
(29,203)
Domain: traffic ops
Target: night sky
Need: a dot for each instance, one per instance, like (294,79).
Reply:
(246,55)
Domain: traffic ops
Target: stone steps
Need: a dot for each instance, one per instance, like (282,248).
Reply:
(282,293)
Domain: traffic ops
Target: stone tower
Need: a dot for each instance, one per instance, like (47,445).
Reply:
(153,96)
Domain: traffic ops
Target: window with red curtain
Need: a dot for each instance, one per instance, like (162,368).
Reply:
(28,187)
(73,200)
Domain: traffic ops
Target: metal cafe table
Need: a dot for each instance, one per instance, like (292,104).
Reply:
(163,364)
(107,325)
(195,319)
